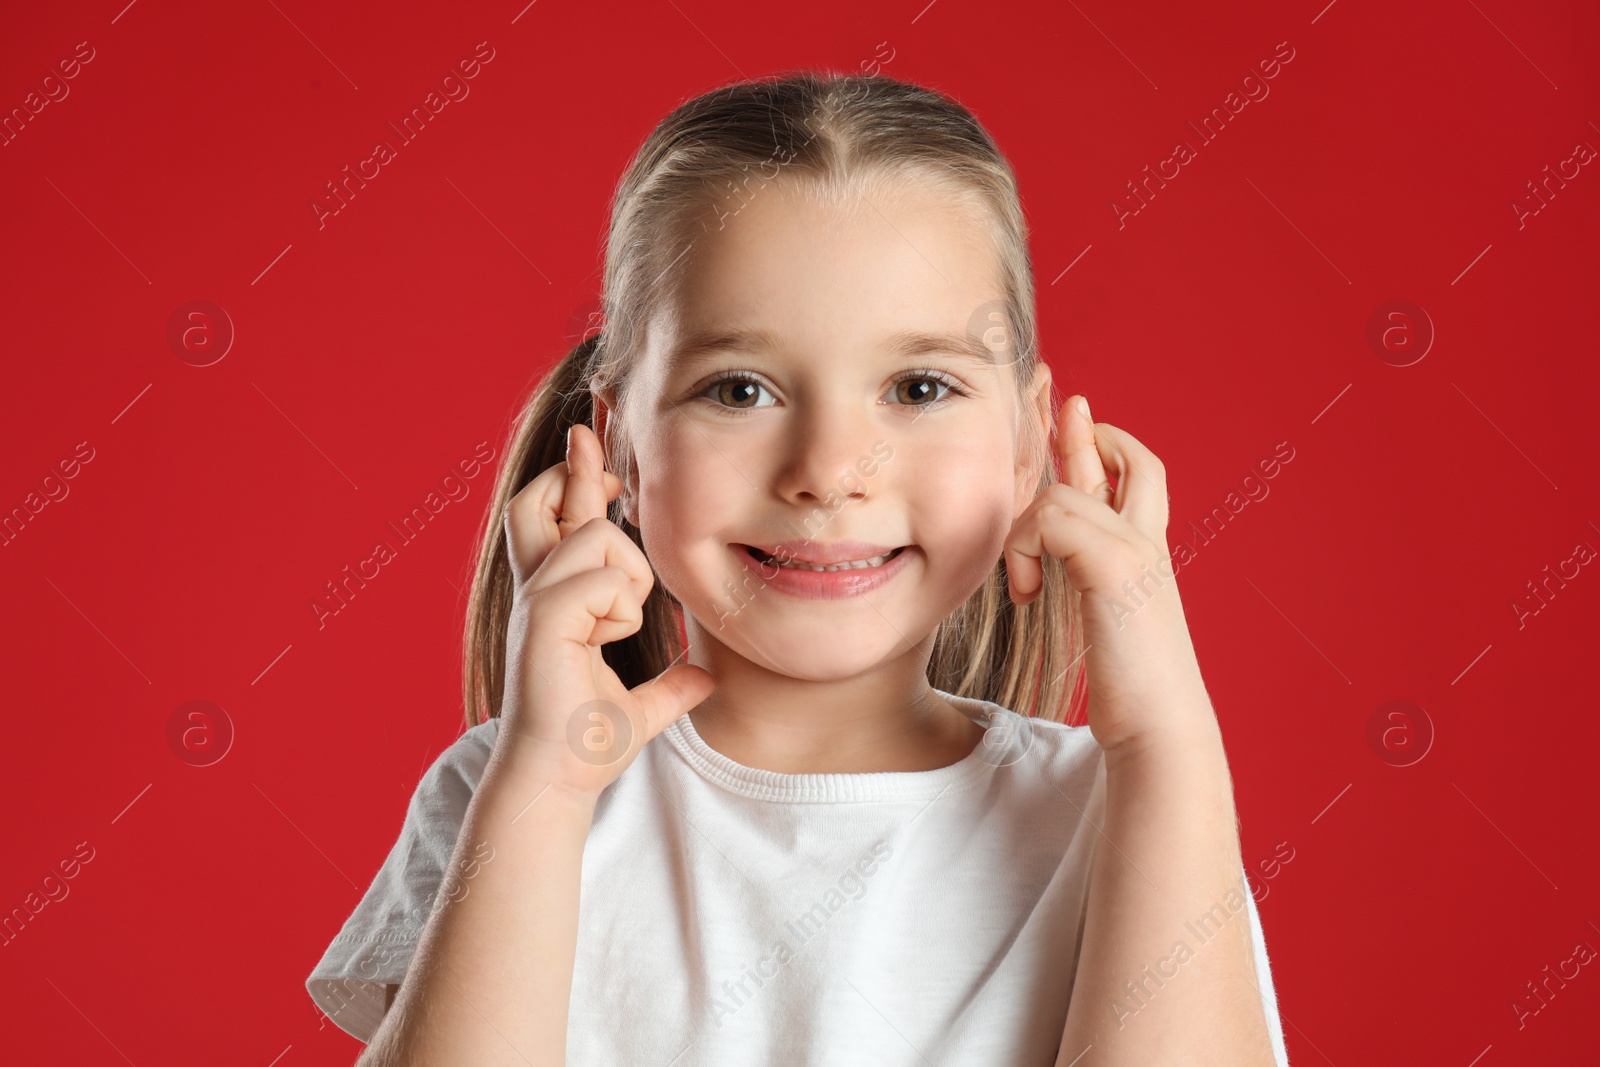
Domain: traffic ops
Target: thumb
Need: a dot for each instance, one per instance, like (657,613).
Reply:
(664,698)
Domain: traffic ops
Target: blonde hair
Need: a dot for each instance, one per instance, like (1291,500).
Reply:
(835,132)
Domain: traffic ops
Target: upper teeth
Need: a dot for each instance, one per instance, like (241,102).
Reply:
(855,564)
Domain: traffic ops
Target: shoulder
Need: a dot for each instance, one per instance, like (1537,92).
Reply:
(456,771)
(1060,749)
(1045,759)
(473,746)
(1013,737)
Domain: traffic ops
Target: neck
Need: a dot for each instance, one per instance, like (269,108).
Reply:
(886,719)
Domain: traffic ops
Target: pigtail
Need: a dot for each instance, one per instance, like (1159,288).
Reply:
(539,441)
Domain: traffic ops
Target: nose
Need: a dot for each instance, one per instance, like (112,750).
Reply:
(830,454)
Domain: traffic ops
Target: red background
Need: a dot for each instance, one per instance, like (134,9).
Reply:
(1229,315)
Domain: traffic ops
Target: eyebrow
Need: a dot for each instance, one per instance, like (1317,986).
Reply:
(698,346)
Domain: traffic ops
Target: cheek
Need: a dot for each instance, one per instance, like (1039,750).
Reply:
(689,498)
(961,502)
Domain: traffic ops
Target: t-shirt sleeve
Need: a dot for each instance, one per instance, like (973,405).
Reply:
(374,947)
(1269,995)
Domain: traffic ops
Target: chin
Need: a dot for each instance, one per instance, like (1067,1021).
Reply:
(812,648)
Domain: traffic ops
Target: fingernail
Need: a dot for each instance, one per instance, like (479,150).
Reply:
(1083,408)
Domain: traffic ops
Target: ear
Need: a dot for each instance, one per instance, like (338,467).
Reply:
(604,402)
(1036,406)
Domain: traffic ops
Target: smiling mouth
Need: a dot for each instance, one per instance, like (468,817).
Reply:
(796,565)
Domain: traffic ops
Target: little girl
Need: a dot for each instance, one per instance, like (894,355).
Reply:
(770,670)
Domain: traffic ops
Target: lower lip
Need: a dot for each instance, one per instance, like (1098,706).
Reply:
(825,585)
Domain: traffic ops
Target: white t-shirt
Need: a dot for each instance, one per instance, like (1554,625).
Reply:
(730,915)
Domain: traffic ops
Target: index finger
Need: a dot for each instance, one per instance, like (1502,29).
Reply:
(586,489)
(533,516)
(1141,494)
(1075,446)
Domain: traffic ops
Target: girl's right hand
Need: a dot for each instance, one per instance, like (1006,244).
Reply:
(580,583)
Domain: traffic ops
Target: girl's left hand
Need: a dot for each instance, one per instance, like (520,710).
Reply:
(1144,680)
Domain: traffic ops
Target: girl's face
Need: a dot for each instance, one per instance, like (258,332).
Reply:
(789,394)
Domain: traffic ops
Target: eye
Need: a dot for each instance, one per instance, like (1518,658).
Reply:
(733,390)
(923,391)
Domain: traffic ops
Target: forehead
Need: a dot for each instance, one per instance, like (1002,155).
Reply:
(900,265)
